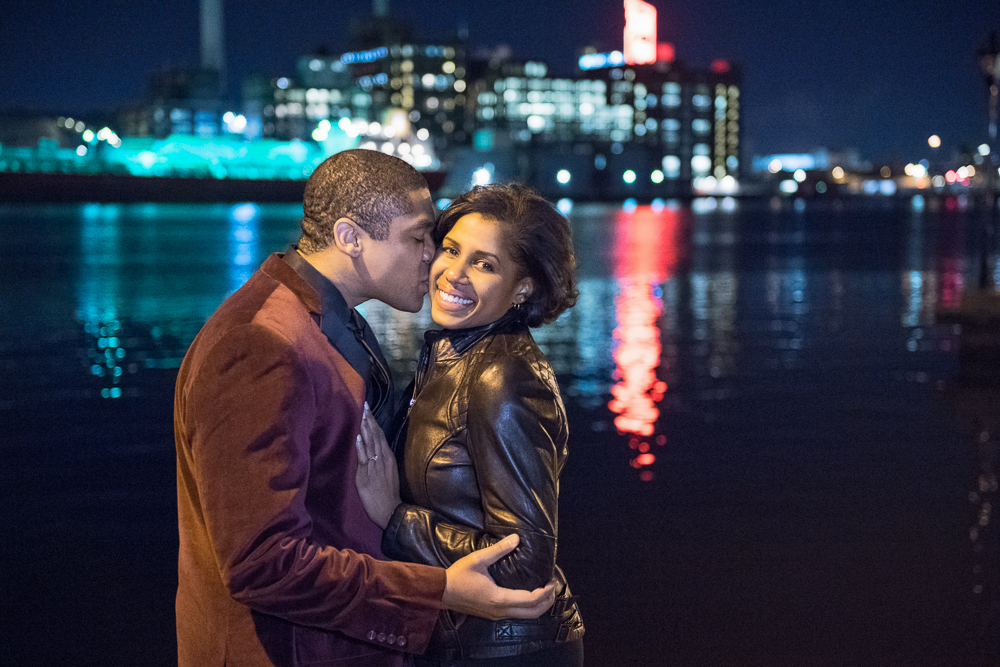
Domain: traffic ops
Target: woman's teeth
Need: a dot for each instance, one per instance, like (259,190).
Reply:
(455,299)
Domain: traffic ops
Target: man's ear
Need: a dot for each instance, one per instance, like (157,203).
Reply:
(347,237)
(524,290)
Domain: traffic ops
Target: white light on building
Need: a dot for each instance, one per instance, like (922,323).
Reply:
(671,166)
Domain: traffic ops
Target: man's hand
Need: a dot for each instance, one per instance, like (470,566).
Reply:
(470,589)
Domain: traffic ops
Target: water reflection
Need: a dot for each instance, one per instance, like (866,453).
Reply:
(243,243)
(646,251)
(99,287)
(712,292)
(666,293)
(976,396)
(783,352)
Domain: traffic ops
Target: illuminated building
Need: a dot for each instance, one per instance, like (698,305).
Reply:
(632,124)
(426,82)
(675,129)
(654,128)
(186,101)
(650,129)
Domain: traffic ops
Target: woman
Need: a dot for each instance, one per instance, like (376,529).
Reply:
(485,435)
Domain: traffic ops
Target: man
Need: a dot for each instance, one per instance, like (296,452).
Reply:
(279,564)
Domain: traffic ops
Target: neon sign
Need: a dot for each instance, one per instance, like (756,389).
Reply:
(640,32)
(599,60)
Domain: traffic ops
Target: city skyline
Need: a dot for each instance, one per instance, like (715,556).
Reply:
(879,79)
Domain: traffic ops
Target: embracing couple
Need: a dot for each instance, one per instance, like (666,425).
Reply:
(291,502)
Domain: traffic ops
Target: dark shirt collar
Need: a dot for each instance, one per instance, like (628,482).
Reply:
(333,303)
(349,334)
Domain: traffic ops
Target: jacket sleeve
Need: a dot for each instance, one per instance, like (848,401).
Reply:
(249,411)
(516,435)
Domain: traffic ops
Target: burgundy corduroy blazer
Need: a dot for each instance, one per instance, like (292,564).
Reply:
(278,562)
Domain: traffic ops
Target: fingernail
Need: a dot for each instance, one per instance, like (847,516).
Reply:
(366,407)
(358,442)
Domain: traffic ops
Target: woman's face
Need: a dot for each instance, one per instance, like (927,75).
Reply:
(473,279)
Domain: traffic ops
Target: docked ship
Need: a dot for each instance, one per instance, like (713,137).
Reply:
(183,168)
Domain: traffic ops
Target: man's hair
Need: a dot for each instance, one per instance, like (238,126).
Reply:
(535,235)
(369,187)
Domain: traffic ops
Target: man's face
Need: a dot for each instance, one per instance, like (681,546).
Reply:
(398,267)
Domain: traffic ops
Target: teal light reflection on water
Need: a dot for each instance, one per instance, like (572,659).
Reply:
(243,241)
(99,292)
(99,285)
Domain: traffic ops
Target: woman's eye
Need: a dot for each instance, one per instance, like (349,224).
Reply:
(486,266)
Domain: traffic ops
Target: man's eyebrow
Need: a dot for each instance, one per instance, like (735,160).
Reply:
(422,226)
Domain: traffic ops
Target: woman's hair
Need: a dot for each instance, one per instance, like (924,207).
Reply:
(535,235)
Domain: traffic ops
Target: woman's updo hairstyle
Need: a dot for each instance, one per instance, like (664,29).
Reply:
(535,235)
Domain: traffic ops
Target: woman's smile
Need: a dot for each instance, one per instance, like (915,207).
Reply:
(475,281)
(454,299)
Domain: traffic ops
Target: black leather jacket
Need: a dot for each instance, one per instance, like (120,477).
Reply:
(485,442)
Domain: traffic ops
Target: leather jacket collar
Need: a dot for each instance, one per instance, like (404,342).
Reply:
(462,339)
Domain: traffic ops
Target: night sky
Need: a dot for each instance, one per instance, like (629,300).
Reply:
(879,77)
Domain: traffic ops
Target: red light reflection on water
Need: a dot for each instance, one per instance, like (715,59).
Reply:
(637,356)
(951,248)
(645,254)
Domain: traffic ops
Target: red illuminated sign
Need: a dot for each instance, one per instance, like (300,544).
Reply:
(640,33)
(665,52)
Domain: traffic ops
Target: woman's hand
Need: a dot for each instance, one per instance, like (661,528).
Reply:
(377,479)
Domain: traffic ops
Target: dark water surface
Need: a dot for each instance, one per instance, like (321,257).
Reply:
(774,460)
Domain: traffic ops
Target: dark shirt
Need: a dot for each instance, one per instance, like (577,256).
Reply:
(350,335)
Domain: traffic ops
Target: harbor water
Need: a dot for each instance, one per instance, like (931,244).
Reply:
(775,458)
